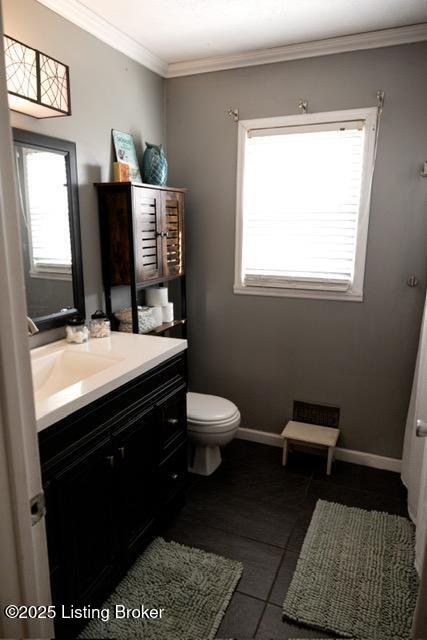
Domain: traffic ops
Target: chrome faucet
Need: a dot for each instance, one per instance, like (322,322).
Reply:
(32,329)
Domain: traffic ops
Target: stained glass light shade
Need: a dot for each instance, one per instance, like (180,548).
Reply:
(37,84)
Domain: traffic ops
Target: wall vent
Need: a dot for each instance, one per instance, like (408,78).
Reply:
(324,415)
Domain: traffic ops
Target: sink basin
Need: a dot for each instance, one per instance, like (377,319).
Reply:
(67,377)
(63,368)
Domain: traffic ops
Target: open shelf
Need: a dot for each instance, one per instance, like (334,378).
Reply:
(166,326)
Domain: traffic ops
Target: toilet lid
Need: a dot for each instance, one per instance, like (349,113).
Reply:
(205,408)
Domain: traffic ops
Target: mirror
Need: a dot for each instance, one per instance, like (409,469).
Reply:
(50,227)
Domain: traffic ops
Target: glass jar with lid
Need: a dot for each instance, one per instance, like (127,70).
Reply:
(76,330)
(99,325)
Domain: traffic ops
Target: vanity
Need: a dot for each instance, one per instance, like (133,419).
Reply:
(111,417)
(111,412)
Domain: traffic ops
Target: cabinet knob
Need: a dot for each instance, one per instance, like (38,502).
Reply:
(173,421)
(174,476)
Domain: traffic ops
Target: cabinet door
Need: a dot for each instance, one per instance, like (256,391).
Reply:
(147,234)
(173,233)
(172,420)
(136,451)
(81,506)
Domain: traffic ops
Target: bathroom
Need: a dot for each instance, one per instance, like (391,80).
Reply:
(121,467)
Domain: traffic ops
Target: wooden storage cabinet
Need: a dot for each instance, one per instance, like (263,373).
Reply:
(142,244)
(113,473)
(142,233)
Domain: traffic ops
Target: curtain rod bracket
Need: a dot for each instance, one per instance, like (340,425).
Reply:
(303,106)
(233,113)
(380,100)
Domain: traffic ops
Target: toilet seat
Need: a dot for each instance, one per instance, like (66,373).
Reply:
(205,409)
(214,427)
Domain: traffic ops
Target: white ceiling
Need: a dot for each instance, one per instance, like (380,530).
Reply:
(174,32)
(178,30)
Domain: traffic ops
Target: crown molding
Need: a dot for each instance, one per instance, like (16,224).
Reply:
(86,19)
(369,40)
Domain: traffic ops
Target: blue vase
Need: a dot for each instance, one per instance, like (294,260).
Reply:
(154,165)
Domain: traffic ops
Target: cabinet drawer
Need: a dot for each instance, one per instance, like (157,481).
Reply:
(173,475)
(172,420)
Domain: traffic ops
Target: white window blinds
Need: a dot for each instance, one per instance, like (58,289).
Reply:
(47,210)
(300,205)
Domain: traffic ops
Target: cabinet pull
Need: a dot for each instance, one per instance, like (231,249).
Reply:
(122,453)
(110,461)
(174,476)
(173,421)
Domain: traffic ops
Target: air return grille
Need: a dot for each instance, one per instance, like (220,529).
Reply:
(324,415)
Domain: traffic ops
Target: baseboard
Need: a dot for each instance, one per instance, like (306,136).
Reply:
(347,455)
(369,459)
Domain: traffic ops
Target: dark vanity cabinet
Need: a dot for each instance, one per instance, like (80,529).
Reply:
(113,474)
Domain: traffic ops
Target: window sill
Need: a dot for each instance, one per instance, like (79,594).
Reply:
(271,292)
(51,275)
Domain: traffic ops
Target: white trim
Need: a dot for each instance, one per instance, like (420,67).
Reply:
(94,24)
(86,19)
(355,292)
(369,459)
(346,455)
(343,296)
(23,549)
(329,46)
(261,437)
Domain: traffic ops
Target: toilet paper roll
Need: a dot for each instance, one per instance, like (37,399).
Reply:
(156,296)
(167,311)
(157,315)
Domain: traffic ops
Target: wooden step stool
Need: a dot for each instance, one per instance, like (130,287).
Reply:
(310,434)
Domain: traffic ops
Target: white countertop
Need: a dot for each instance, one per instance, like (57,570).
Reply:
(86,372)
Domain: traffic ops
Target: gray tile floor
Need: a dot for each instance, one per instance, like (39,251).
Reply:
(254,510)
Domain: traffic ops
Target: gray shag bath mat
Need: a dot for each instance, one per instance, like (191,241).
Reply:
(193,588)
(355,574)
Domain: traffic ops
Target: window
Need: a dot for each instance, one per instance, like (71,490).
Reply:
(46,218)
(303,204)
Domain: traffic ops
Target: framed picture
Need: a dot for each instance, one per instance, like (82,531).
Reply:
(124,147)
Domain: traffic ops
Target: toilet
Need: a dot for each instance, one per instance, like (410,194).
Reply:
(212,422)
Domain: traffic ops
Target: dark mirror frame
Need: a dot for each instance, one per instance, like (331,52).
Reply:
(39,141)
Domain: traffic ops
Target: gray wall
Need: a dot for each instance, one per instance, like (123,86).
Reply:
(265,352)
(108,90)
